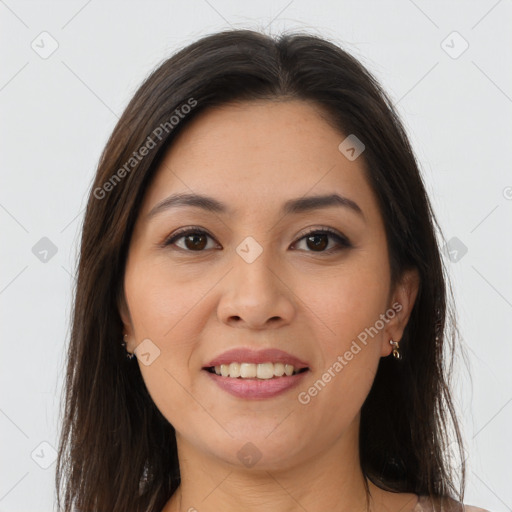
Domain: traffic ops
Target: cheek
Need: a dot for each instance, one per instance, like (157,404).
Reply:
(159,303)
(347,302)
(350,351)
(348,305)
(159,310)
(337,394)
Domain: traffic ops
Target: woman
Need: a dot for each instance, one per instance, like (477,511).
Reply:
(259,237)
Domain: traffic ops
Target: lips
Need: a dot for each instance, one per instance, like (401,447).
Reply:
(269,355)
(256,389)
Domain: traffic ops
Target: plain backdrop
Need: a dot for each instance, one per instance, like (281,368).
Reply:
(70,67)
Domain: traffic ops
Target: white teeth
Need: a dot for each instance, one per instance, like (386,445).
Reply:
(234,370)
(265,371)
(250,370)
(278,369)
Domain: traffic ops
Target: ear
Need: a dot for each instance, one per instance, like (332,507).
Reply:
(401,303)
(124,313)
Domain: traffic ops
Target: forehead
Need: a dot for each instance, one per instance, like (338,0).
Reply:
(259,153)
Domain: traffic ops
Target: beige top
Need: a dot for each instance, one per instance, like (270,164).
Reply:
(425,504)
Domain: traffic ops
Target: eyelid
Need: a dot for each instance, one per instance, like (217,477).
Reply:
(325,229)
(182,232)
(343,241)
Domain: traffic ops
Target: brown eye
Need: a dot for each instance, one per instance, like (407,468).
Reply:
(318,241)
(194,240)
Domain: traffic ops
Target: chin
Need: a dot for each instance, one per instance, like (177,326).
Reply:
(257,450)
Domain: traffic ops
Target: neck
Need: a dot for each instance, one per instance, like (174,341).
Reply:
(331,480)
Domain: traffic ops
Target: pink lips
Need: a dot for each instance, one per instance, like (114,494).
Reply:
(269,355)
(257,388)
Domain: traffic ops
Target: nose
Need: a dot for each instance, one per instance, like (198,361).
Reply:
(256,296)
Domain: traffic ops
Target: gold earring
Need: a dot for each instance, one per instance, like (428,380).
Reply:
(129,355)
(396,349)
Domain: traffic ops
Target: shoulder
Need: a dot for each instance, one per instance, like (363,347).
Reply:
(438,504)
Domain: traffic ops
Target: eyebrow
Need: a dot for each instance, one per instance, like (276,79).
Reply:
(292,206)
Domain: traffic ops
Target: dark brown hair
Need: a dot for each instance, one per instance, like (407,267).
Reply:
(117,452)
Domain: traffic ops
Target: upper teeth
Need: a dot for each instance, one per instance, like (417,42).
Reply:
(251,370)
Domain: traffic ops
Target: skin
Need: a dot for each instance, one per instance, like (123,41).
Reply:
(194,305)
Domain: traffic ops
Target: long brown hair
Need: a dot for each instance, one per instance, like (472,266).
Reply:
(117,452)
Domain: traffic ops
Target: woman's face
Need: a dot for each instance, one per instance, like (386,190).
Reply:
(248,277)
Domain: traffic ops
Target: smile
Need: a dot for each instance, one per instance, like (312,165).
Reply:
(254,387)
(250,370)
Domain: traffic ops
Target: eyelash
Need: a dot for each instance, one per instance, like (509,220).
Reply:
(342,241)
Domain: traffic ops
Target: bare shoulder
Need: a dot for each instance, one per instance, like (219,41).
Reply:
(470,508)
(444,504)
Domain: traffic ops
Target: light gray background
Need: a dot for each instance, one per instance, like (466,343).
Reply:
(57,113)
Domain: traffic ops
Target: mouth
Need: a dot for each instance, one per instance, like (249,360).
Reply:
(242,363)
(251,371)
(250,381)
